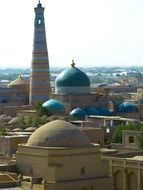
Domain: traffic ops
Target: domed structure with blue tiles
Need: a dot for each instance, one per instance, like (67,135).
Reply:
(72,88)
(92,111)
(104,111)
(78,113)
(127,107)
(72,80)
(53,105)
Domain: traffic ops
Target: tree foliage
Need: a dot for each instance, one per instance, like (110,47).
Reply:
(32,120)
(41,110)
(37,119)
(117,100)
(140,141)
(3,132)
(117,135)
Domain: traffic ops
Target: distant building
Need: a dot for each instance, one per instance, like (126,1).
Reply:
(21,88)
(128,81)
(8,144)
(4,83)
(15,93)
(139,94)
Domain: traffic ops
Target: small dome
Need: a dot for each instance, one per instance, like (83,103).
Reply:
(92,111)
(30,129)
(104,111)
(58,133)
(127,107)
(78,113)
(17,130)
(4,118)
(72,80)
(15,120)
(54,105)
(18,82)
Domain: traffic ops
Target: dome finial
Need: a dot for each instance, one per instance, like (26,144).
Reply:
(39,4)
(73,63)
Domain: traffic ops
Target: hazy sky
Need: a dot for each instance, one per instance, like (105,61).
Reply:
(92,32)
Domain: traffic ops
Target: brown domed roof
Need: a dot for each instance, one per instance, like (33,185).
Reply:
(19,81)
(58,133)
(30,129)
(15,120)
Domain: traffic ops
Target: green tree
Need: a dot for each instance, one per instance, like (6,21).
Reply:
(140,141)
(117,135)
(41,110)
(32,120)
(117,100)
(3,132)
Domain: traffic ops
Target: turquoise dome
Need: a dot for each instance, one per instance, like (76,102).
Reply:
(92,111)
(104,111)
(127,107)
(54,105)
(78,113)
(72,80)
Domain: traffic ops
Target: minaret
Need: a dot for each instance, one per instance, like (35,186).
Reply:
(40,75)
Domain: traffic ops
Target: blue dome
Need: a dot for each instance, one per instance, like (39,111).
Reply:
(92,111)
(70,79)
(127,107)
(104,111)
(78,113)
(54,105)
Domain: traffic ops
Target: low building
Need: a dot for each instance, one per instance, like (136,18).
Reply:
(8,144)
(127,171)
(61,154)
(129,138)
(95,135)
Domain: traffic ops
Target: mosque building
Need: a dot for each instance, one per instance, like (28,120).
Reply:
(61,154)
(72,88)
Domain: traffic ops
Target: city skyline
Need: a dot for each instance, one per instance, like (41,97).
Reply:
(93,33)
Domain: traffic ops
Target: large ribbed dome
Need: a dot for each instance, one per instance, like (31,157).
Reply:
(72,80)
(58,133)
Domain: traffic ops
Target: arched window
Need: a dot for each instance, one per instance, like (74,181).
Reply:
(118,180)
(39,21)
(132,181)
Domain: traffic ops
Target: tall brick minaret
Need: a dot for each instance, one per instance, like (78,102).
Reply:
(40,75)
